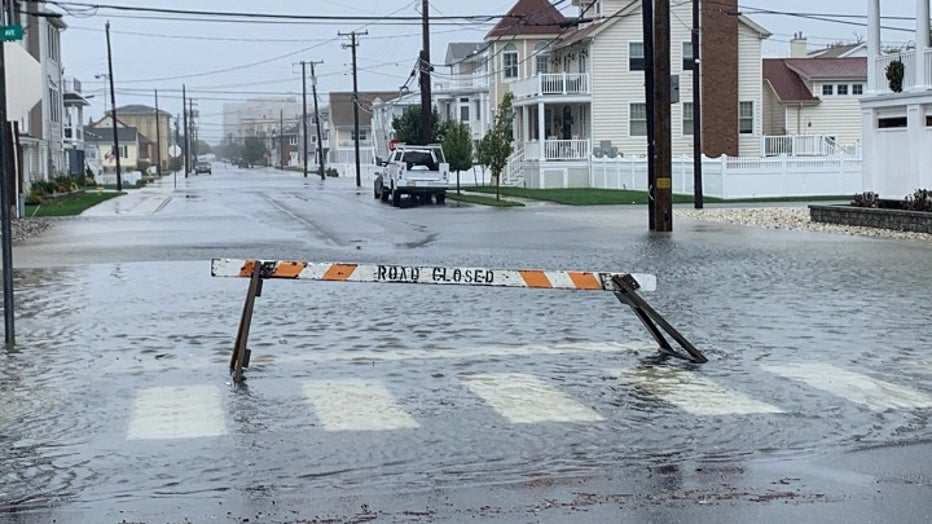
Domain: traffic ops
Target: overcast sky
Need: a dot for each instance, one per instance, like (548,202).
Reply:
(167,49)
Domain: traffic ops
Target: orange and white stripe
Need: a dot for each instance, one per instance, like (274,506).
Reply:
(398,274)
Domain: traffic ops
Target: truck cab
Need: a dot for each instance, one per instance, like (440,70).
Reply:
(420,172)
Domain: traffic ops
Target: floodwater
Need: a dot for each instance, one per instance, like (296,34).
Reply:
(815,342)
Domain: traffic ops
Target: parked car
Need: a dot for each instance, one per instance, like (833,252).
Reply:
(202,167)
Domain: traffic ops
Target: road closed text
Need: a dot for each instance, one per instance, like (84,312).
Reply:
(438,275)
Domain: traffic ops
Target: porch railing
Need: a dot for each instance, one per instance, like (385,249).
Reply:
(802,145)
(558,150)
(909,70)
(551,84)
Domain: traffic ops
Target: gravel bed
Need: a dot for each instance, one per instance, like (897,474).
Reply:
(27,228)
(790,219)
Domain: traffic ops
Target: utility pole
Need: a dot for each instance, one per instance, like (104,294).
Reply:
(320,142)
(158,136)
(281,138)
(697,111)
(353,45)
(663,192)
(184,109)
(647,9)
(7,229)
(427,128)
(113,115)
(304,112)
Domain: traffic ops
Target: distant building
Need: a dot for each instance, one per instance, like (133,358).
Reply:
(101,138)
(74,104)
(342,135)
(463,94)
(144,119)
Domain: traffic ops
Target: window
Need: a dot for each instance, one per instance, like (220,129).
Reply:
(746,117)
(124,152)
(689,61)
(687,118)
(541,58)
(891,122)
(857,89)
(54,47)
(293,141)
(54,105)
(842,89)
(928,121)
(464,110)
(638,119)
(363,135)
(828,89)
(510,61)
(635,56)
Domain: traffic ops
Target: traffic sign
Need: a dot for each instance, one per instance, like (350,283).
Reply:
(9,33)
(174,151)
(23,81)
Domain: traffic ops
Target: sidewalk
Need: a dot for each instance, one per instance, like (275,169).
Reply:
(136,202)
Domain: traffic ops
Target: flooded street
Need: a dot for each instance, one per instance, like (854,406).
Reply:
(445,403)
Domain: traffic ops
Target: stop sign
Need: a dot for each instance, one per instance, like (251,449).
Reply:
(393,144)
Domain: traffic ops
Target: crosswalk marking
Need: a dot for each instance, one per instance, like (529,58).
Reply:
(862,389)
(525,399)
(694,393)
(177,412)
(356,405)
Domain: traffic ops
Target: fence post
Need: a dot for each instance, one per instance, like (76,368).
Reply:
(783,167)
(724,160)
(564,82)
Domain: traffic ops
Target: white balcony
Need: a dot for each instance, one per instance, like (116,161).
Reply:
(552,84)
(476,82)
(909,66)
(557,150)
(806,146)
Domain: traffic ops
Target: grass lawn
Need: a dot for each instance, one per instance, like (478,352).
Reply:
(595,197)
(69,205)
(485,201)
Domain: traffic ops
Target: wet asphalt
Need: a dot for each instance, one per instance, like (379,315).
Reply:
(419,403)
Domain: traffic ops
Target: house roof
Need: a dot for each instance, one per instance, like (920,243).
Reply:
(788,86)
(138,109)
(824,68)
(529,17)
(582,33)
(341,106)
(464,51)
(74,99)
(105,134)
(837,51)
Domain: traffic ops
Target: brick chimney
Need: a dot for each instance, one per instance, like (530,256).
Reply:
(719,55)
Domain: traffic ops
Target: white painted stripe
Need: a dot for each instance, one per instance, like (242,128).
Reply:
(694,393)
(862,389)
(224,267)
(525,399)
(356,405)
(177,412)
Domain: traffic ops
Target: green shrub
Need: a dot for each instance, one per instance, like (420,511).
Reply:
(866,199)
(331,172)
(920,200)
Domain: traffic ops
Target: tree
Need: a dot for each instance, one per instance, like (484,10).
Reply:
(253,150)
(457,147)
(495,147)
(202,148)
(408,126)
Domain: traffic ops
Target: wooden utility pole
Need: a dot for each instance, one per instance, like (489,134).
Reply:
(697,111)
(158,136)
(113,115)
(184,109)
(427,127)
(354,45)
(304,113)
(192,142)
(281,138)
(647,9)
(663,191)
(320,141)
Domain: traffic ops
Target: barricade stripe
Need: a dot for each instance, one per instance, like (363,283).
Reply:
(289,269)
(536,279)
(248,267)
(585,280)
(340,271)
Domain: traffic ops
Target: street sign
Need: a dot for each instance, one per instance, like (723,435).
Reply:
(174,151)
(9,33)
(23,81)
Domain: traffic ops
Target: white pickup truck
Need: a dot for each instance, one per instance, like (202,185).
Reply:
(421,172)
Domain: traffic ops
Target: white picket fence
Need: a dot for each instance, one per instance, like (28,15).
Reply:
(726,177)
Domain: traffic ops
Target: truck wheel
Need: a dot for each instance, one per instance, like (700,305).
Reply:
(383,194)
(377,190)
(396,198)
(441,197)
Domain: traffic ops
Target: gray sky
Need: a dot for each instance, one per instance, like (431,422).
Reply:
(386,56)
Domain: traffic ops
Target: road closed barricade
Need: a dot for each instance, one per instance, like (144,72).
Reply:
(625,287)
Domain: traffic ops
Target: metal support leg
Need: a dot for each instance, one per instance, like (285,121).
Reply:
(240,357)
(626,291)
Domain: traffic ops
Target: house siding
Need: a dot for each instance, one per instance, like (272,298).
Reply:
(837,115)
(775,116)
(750,88)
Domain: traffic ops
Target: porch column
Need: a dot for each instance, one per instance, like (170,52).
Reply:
(873,44)
(525,126)
(922,43)
(541,134)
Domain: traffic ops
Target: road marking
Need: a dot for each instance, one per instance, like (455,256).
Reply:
(177,412)
(525,399)
(862,389)
(356,405)
(694,393)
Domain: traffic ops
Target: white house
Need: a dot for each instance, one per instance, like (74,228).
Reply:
(581,91)
(463,94)
(897,126)
(74,104)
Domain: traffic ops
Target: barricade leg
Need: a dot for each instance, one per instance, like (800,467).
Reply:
(240,357)
(626,291)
